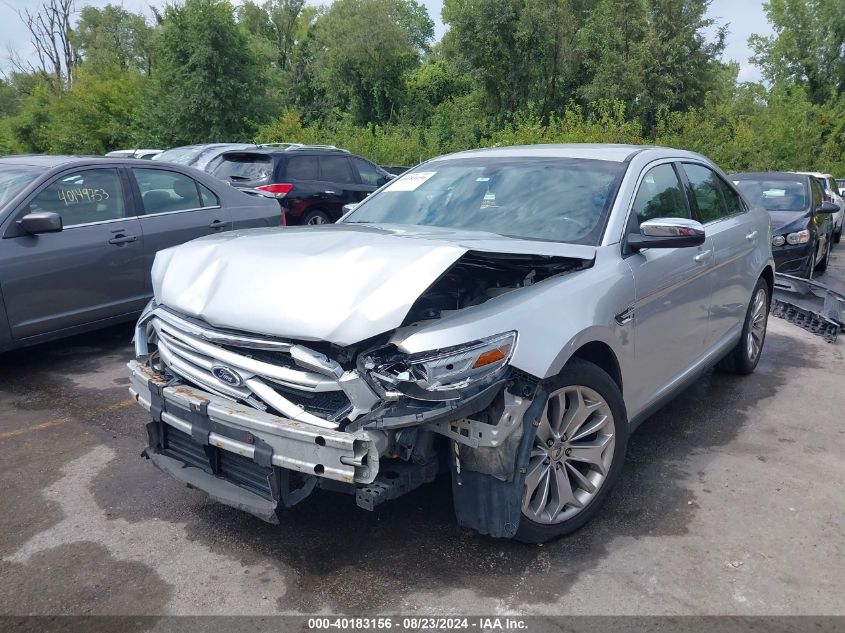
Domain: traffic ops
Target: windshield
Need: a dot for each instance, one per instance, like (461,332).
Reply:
(180,155)
(14,178)
(776,194)
(551,199)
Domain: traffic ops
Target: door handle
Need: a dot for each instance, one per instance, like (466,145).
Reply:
(123,239)
(217,224)
(751,236)
(329,193)
(702,256)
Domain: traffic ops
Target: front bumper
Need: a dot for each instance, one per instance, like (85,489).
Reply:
(266,440)
(792,259)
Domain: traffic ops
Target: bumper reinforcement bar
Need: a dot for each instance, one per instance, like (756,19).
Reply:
(268,440)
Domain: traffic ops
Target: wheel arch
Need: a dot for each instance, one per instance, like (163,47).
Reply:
(769,275)
(602,355)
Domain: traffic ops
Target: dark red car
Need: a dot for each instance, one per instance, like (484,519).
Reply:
(311,182)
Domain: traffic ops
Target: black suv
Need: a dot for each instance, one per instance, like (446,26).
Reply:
(311,182)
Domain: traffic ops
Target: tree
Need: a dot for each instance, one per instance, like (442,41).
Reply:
(360,52)
(680,65)
(50,31)
(518,50)
(806,48)
(113,37)
(278,22)
(208,82)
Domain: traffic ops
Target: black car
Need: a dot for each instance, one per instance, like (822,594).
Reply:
(802,222)
(78,237)
(311,182)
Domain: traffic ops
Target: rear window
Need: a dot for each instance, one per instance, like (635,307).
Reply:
(180,155)
(14,178)
(776,194)
(242,167)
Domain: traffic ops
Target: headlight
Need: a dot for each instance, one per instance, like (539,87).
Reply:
(800,237)
(778,240)
(432,375)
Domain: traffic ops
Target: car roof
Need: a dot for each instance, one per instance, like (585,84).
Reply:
(817,174)
(597,151)
(45,161)
(48,162)
(769,175)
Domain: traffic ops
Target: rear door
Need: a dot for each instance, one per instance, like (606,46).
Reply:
(672,287)
(341,184)
(736,236)
(90,271)
(173,209)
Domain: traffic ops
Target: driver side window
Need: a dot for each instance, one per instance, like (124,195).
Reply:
(89,195)
(660,196)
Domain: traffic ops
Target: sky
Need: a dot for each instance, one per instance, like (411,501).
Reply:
(743,16)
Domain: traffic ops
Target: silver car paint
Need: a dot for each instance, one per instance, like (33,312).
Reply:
(337,283)
(344,284)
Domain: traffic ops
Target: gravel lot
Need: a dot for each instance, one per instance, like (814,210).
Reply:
(731,503)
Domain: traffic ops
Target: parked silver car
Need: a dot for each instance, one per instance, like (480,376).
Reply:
(509,315)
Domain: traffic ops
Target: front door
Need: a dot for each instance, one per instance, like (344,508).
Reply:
(672,289)
(90,271)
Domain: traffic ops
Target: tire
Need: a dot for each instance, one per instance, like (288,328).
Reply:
(743,358)
(544,516)
(316,217)
(837,236)
(822,265)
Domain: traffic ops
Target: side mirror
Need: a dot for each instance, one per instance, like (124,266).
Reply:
(41,222)
(667,233)
(828,207)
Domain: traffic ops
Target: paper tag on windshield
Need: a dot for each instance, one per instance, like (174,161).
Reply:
(410,182)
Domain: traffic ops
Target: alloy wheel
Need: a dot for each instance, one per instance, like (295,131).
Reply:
(317,219)
(757,325)
(571,456)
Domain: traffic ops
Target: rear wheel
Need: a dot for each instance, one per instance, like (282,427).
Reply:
(577,455)
(837,235)
(744,357)
(316,217)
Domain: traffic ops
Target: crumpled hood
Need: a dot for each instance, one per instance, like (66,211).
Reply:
(787,221)
(338,283)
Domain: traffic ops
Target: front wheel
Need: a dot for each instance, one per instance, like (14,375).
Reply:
(822,265)
(744,357)
(577,454)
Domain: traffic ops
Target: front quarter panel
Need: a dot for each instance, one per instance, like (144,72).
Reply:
(553,318)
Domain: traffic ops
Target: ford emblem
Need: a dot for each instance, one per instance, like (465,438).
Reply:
(226,376)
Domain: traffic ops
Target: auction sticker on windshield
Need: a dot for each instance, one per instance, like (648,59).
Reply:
(410,182)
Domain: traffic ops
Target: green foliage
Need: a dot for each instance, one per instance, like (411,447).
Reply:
(113,37)
(806,48)
(363,74)
(359,55)
(208,81)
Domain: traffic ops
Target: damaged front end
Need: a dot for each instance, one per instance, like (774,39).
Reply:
(259,422)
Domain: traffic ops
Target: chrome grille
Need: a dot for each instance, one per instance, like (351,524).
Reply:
(270,373)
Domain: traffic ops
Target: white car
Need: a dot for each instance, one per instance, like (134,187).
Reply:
(831,192)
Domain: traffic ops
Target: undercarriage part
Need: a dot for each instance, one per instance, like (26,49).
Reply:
(488,504)
(483,434)
(810,305)
(393,481)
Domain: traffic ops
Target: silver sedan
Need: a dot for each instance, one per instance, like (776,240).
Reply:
(509,315)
